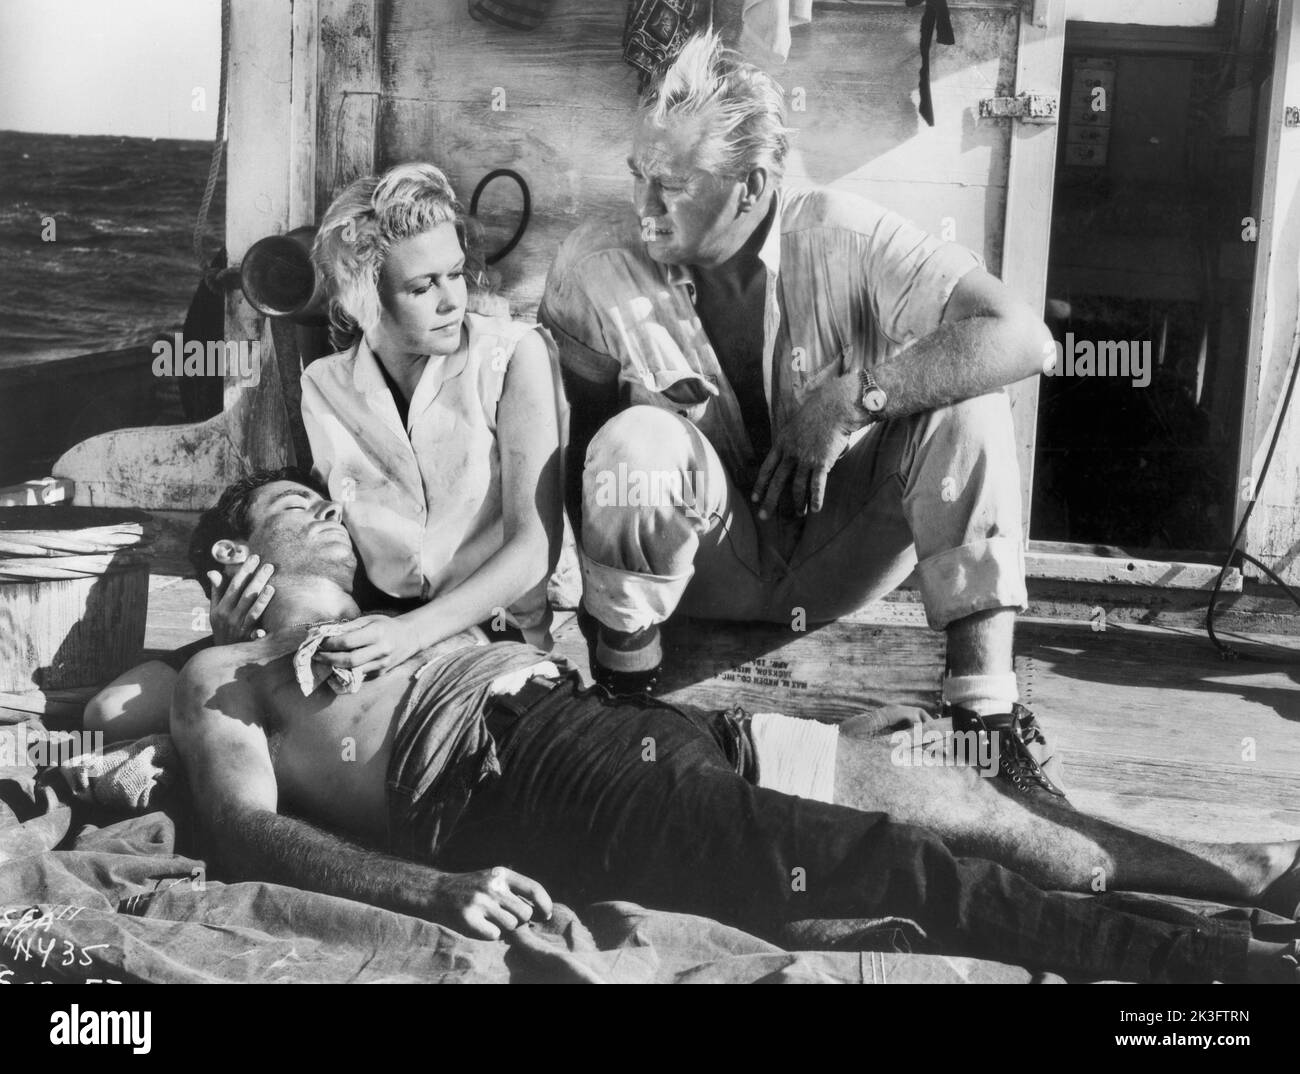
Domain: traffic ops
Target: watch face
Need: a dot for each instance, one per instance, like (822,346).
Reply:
(874,400)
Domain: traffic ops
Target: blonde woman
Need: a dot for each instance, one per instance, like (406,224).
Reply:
(437,433)
(437,430)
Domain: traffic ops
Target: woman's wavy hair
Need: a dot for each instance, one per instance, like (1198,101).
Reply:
(362,224)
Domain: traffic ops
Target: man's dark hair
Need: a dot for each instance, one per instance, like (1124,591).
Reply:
(228,520)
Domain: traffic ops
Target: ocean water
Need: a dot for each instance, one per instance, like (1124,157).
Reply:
(120,270)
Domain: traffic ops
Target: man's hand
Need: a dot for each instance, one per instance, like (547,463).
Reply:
(485,903)
(236,605)
(808,446)
(371,643)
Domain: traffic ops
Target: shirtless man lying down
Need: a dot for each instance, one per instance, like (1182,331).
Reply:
(470,779)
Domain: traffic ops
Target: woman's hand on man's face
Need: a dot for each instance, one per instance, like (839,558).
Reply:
(237,603)
(372,643)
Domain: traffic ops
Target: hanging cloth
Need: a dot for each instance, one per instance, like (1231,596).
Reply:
(936,15)
(764,27)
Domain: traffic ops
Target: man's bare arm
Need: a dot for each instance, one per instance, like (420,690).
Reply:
(222,741)
(988,338)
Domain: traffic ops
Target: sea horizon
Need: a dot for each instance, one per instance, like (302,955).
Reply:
(95,240)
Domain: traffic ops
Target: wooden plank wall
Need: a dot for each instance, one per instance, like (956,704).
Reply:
(347,75)
(568,100)
(1274,532)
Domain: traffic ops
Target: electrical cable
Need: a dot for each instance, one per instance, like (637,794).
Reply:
(1227,652)
(525,212)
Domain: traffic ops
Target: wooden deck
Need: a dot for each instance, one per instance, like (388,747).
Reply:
(1156,730)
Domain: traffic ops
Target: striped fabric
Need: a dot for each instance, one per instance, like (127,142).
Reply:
(656,30)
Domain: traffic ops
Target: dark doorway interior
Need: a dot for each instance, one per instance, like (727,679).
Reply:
(1151,261)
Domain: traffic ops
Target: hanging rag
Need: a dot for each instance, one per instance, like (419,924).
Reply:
(760,29)
(936,16)
(128,776)
(656,30)
(514,14)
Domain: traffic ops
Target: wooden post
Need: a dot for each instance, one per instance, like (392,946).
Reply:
(1031,177)
(303,102)
(258,185)
(1274,531)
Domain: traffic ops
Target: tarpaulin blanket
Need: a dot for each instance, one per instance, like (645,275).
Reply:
(96,898)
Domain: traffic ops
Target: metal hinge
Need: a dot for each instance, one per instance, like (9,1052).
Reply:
(1028,107)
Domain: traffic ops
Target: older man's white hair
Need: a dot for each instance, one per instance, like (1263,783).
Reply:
(740,106)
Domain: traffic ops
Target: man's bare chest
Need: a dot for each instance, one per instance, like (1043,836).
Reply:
(328,737)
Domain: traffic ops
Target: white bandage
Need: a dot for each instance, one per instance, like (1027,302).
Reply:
(796,756)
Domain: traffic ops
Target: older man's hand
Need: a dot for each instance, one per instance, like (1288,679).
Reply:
(808,446)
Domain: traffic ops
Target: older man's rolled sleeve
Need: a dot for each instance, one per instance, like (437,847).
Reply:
(910,276)
(578,359)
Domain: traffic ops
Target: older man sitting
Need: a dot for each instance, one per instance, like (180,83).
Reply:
(812,384)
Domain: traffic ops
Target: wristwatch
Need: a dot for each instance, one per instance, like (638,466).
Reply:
(873,398)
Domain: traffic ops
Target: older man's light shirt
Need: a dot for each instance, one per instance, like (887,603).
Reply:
(848,284)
